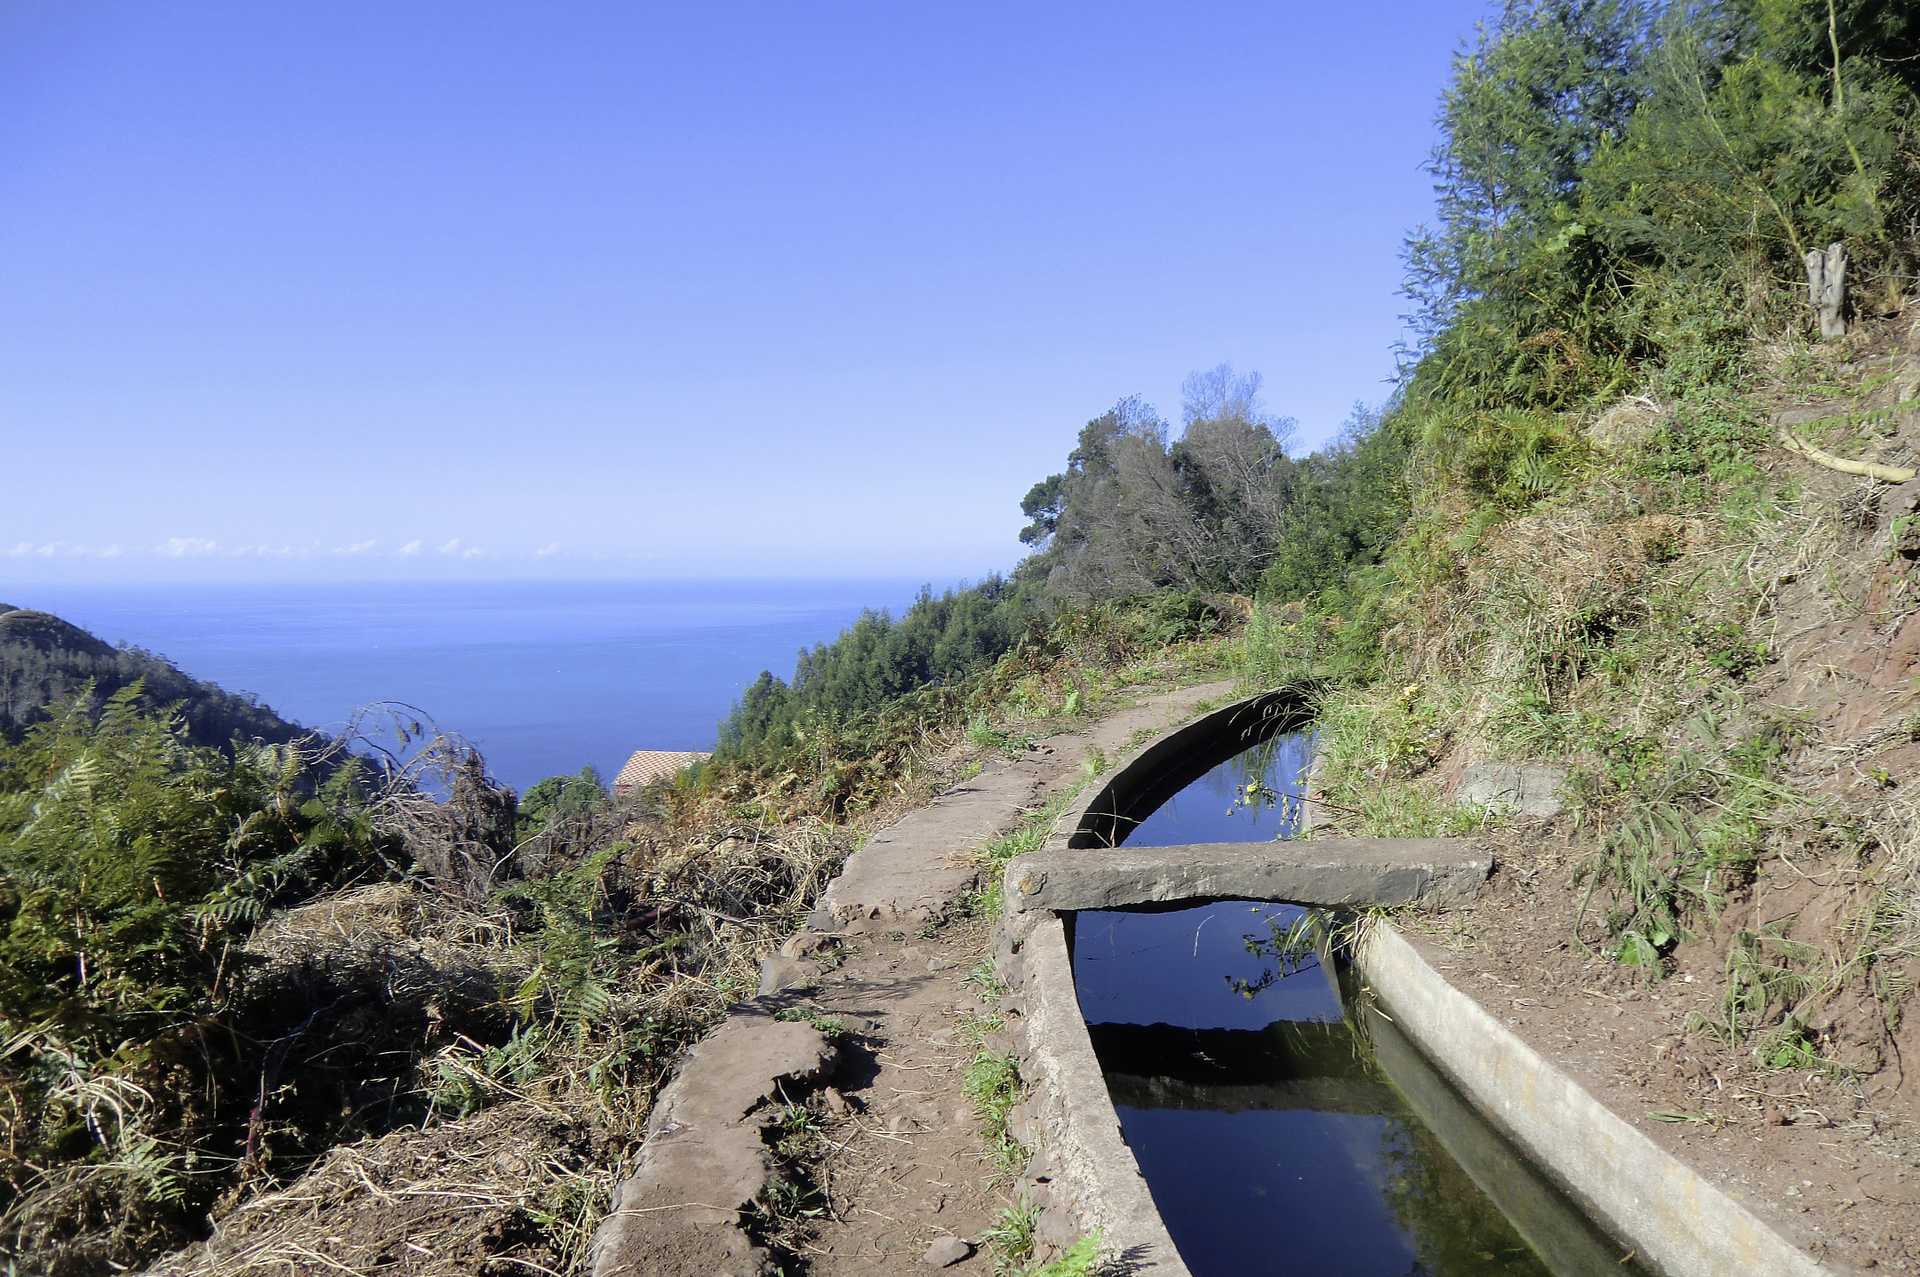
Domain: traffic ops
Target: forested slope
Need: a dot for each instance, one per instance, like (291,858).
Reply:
(46,662)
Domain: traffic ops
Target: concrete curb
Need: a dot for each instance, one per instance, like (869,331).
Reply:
(1679,1223)
(1082,1176)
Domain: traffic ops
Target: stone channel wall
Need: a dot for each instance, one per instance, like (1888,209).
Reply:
(1084,1177)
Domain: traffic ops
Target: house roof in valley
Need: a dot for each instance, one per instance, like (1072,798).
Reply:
(649,765)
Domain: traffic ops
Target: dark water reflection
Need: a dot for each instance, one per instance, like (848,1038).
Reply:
(1272,1133)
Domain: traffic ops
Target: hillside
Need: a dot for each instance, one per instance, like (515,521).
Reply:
(1597,532)
(46,662)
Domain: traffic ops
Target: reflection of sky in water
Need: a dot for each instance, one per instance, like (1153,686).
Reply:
(1178,963)
(1303,1181)
(1174,968)
(1205,810)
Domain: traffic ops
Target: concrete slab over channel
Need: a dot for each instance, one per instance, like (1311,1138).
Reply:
(1334,872)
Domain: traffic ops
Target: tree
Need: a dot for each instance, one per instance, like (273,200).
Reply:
(557,798)
(1134,512)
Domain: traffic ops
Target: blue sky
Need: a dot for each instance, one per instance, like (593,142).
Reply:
(375,290)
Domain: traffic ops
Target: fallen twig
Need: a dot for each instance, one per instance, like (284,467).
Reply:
(1865,469)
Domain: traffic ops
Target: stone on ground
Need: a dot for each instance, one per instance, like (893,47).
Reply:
(703,1162)
(946,1252)
(1526,789)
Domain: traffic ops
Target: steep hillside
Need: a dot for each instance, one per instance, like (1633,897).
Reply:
(45,662)
(1717,666)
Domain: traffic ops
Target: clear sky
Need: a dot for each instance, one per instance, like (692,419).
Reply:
(375,289)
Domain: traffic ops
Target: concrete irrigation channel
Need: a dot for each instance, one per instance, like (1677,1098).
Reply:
(1448,1055)
(883,954)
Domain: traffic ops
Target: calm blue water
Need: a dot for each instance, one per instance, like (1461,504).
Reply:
(1214,809)
(544,678)
(1267,1136)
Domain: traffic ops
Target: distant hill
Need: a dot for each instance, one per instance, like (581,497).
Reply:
(45,661)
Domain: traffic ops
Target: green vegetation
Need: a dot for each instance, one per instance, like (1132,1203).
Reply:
(133,865)
(1085,1258)
(219,965)
(1612,305)
(557,799)
(940,639)
(996,854)
(45,663)
(993,1085)
(1010,1237)
(1559,539)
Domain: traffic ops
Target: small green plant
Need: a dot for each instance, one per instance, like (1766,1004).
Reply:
(1010,1237)
(463,1080)
(1085,1258)
(976,1028)
(995,854)
(986,981)
(830,1025)
(992,1083)
(794,1132)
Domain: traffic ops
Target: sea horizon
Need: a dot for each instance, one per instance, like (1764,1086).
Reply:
(543,677)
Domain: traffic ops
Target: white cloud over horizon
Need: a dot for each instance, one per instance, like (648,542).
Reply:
(199,547)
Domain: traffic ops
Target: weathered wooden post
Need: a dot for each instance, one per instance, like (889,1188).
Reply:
(1827,288)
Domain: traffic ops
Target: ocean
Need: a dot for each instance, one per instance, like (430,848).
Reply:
(543,678)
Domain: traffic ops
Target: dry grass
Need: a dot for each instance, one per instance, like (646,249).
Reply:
(512,1189)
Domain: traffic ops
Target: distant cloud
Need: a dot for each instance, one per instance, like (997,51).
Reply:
(458,549)
(57,550)
(209,548)
(547,551)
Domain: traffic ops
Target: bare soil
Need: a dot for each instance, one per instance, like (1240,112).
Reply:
(906,1163)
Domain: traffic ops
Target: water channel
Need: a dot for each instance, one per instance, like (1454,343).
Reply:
(1282,1123)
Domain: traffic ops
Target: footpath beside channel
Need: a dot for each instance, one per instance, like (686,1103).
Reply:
(861,1023)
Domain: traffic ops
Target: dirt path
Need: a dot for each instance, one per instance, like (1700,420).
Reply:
(883,1123)
(908,1166)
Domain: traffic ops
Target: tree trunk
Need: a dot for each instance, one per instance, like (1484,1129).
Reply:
(1827,288)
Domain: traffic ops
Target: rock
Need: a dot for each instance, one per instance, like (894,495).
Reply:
(700,1148)
(1526,789)
(780,974)
(946,1252)
(807,942)
(836,1103)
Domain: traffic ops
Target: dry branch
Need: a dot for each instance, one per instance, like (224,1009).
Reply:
(1865,469)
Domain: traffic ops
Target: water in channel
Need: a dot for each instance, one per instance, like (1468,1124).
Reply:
(1282,1125)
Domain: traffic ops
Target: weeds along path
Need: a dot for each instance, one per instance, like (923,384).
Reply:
(851,1119)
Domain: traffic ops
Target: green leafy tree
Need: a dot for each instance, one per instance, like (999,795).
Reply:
(558,798)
